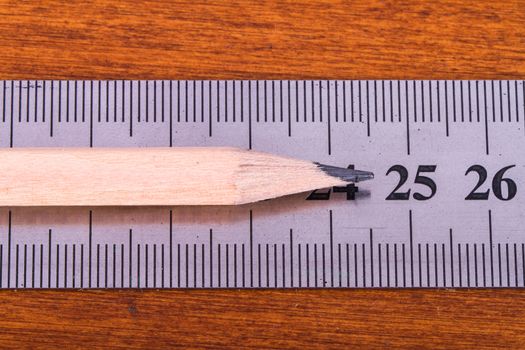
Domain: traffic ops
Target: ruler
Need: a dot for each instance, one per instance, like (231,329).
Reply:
(446,207)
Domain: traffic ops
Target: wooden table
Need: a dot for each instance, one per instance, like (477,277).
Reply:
(240,39)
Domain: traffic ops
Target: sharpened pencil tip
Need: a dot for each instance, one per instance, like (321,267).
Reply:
(348,175)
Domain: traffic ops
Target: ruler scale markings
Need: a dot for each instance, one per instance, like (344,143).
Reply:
(300,266)
(469,103)
(98,266)
(155,101)
(41,276)
(476,265)
(114,266)
(297,101)
(483,257)
(347,265)
(186,264)
(32,265)
(446,109)
(367,110)
(265,94)
(315,266)
(371,259)
(312,99)
(162,268)
(25,267)
(356,277)
(328,115)
(428,265)
(493,103)
(451,247)
(16,267)
(523,96)
(491,250)
(138,266)
(36,101)
(395,265)
(363,258)
(289,109)
(73,268)
(404,265)
(331,248)
(438,98)
(146,267)
(454,101)
(344,100)
(43,101)
(84,100)
(430,101)
(436,263)
(20,101)
(523,263)
(99,98)
(460,269)
(234,266)
(91,115)
(178,266)
(307,265)
(383,100)
(468,263)
(380,272)
(267,265)
(515,266)
(516,100)
(351,100)
(194,266)
(388,265)
(9,237)
(249,114)
(414,100)
(155,266)
(65,265)
(477,100)
(4,83)
(486,115)
(420,273)
(500,101)
(359,101)
(131,105)
(407,118)
(321,100)
(422,101)
(28,97)
(461,100)
(336,96)
(499,265)
(186,101)
(507,264)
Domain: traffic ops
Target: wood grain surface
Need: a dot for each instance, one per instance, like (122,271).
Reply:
(262,39)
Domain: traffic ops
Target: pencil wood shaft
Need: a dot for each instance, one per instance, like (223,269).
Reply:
(151,176)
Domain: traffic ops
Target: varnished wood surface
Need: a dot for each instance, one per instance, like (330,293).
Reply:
(264,319)
(262,39)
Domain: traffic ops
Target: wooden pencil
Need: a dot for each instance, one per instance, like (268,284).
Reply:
(157,176)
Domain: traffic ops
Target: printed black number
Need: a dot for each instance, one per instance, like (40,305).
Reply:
(424,180)
(403,176)
(497,182)
(482,176)
(511,185)
(420,179)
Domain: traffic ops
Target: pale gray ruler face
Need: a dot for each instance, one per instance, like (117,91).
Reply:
(446,207)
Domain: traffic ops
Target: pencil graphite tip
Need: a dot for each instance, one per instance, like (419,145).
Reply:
(348,175)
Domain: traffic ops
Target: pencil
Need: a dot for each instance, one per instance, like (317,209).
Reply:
(157,176)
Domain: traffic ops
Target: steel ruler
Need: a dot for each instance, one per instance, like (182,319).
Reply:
(446,207)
